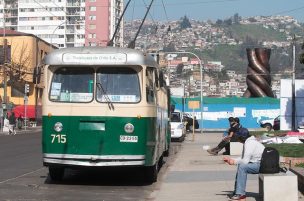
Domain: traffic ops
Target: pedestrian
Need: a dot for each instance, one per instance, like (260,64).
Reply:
(19,122)
(225,142)
(12,123)
(249,163)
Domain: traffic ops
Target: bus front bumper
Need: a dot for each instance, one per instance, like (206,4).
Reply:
(93,160)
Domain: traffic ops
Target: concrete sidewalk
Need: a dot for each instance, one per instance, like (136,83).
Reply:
(197,176)
(23,130)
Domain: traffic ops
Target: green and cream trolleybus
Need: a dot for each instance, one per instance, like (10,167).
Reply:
(103,107)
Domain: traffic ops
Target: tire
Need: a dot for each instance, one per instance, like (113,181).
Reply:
(268,127)
(191,128)
(167,152)
(151,173)
(56,173)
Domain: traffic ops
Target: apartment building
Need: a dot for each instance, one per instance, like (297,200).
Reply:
(65,23)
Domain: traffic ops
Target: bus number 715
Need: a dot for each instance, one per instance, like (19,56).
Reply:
(60,138)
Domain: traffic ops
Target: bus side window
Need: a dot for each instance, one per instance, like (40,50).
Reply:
(150,87)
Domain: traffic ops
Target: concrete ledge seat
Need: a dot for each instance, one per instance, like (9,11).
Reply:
(278,187)
(236,148)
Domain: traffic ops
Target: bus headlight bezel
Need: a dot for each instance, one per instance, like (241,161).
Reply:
(58,127)
(129,128)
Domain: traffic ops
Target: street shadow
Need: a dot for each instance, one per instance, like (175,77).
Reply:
(299,110)
(103,176)
(253,195)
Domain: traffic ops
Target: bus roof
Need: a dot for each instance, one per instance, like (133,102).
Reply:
(98,56)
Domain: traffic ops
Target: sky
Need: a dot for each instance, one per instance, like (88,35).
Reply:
(167,10)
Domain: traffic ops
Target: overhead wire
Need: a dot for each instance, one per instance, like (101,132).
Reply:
(288,11)
(45,7)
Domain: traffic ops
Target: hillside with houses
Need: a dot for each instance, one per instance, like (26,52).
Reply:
(221,47)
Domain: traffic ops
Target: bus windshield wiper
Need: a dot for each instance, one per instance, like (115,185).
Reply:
(108,100)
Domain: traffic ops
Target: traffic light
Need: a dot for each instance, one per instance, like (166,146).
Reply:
(26,89)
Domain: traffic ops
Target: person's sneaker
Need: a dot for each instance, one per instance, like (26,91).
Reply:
(238,197)
(226,153)
(212,151)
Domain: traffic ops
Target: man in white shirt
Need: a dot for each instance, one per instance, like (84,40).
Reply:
(249,163)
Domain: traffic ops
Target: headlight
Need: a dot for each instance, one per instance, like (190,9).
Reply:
(58,127)
(180,126)
(129,128)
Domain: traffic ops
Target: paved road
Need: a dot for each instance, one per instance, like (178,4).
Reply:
(23,178)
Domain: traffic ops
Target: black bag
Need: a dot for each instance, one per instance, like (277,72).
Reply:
(242,132)
(270,161)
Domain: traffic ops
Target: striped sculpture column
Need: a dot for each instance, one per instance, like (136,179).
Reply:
(258,73)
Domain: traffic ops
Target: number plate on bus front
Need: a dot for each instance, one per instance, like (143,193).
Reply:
(128,138)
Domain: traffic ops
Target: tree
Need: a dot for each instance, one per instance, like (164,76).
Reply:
(185,23)
(18,70)
(219,22)
(301,56)
(236,18)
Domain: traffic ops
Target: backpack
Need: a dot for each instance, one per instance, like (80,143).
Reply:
(270,161)
(242,132)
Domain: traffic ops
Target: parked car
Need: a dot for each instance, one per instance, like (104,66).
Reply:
(270,124)
(266,123)
(178,129)
(188,119)
(276,123)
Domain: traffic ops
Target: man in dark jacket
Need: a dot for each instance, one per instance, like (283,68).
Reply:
(12,123)
(234,127)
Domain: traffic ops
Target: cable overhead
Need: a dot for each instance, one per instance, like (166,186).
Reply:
(149,12)
(132,43)
(165,10)
(110,43)
(45,7)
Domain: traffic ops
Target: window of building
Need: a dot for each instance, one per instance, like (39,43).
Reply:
(92,8)
(92,17)
(92,26)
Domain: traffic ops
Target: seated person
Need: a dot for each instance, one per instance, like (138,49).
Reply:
(225,142)
(249,163)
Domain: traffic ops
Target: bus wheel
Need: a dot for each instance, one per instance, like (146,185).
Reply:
(151,173)
(167,152)
(191,128)
(56,173)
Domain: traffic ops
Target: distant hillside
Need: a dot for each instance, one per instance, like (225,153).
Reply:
(235,58)
(258,32)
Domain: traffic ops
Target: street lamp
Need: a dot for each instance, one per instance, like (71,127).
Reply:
(201,84)
(55,31)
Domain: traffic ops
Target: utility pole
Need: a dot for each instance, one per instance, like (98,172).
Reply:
(201,80)
(293,96)
(4,103)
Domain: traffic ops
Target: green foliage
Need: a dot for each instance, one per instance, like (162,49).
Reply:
(300,165)
(258,32)
(228,55)
(289,150)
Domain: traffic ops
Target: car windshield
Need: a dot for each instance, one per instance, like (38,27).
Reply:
(175,117)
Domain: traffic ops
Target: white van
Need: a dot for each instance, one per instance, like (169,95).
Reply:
(178,129)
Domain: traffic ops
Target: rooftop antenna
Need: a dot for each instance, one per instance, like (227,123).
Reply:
(111,43)
(132,43)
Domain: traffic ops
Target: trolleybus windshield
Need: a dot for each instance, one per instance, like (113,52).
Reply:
(72,85)
(121,85)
